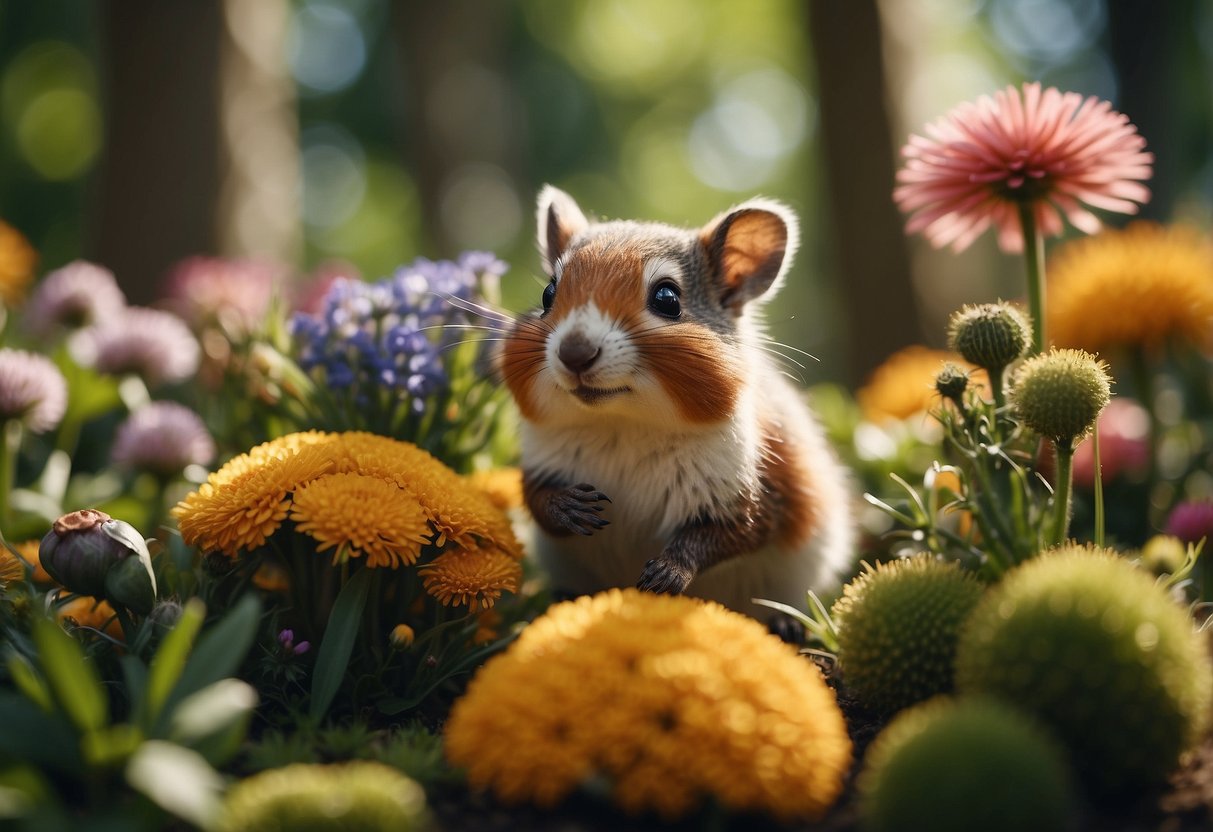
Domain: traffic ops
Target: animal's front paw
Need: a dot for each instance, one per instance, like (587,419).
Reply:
(664,576)
(576,509)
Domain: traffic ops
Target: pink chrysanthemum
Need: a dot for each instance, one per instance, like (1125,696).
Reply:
(153,344)
(76,295)
(164,438)
(234,292)
(32,390)
(1055,151)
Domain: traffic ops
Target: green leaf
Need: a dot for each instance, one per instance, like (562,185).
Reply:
(221,649)
(30,683)
(214,720)
(71,676)
(111,746)
(177,780)
(33,736)
(169,661)
(134,673)
(338,642)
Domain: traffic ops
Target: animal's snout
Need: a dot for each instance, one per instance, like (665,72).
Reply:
(577,353)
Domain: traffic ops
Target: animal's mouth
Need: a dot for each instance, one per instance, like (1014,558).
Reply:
(594,395)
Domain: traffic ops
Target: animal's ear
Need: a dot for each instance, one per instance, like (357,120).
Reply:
(749,249)
(560,220)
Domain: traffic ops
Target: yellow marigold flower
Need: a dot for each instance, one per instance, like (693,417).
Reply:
(669,699)
(87,611)
(459,511)
(1141,286)
(27,550)
(17,259)
(272,576)
(471,577)
(502,485)
(12,568)
(246,500)
(360,514)
(904,385)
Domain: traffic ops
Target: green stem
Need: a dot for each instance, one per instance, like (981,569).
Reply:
(9,446)
(1034,260)
(1061,492)
(1099,510)
(996,390)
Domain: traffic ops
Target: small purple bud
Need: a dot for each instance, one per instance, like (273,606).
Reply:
(286,637)
(302,647)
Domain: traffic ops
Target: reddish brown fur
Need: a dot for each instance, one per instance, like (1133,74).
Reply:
(612,277)
(698,371)
(522,359)
(789,481)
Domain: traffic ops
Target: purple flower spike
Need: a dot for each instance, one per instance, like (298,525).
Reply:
(32,390)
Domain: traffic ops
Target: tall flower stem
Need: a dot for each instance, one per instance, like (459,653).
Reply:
(1061,492)
(1099,509)
(1034,260)
(9,445)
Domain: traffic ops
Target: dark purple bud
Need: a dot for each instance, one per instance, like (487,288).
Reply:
(87,553)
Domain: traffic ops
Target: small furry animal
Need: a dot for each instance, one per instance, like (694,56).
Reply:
(661,445)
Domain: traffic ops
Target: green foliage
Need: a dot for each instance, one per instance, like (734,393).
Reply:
(363,795)
(897,629)
(184,719)
(1094,648)
(956,766)
(338,644)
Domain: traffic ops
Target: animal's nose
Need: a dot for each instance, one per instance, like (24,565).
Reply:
(577,353)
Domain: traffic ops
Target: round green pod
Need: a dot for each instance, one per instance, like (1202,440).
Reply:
(360,795)
(897,629)
(990,335)
(1094,648)
(1060,394)
(968,764)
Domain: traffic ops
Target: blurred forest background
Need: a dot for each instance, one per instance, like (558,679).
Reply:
(368,132)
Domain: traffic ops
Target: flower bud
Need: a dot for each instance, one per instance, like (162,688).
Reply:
(1163,554)
(87,552)
(951,383)
(402,637)
(1061,393)
(990,335)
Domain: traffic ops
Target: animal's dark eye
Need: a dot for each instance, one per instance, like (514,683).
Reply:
(665,300)
(549,295)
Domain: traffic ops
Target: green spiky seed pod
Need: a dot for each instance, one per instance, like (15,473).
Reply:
(951,383)
(956,766)
(1061,393)
(1093,647)
(359,795)
(897,630)
(990,335)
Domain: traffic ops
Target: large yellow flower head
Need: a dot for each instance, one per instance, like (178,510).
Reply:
(360,495)
(1141,286)
(668,699)
(904,385)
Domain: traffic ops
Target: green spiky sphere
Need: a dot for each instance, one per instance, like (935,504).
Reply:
(897,630)
(1093,647)
(990,335)
(1061,393)
(361,795)
(962,765)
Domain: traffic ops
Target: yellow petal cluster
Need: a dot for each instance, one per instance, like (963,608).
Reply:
(17,259)
(669,700)
(1142,286)
(502,485)
(475,578)
(360,495)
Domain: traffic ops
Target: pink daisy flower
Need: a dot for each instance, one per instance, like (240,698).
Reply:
(32,390)
(1058,152)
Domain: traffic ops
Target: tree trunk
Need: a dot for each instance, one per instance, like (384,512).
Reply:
(871,255)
